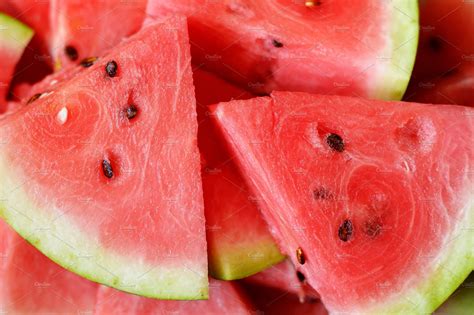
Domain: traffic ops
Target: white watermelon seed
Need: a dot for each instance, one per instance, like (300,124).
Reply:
(61,117)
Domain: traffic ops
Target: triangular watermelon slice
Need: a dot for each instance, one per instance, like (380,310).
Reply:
(103,174)
(33,284)
(14,37)
(364,48)
(225,298)
(230,207)
(373,201)
(83,29)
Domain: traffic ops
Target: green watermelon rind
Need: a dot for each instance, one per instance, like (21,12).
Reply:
(61,240)
(460,302)
(14,35)
(452,266)
(398,58)
(240,261)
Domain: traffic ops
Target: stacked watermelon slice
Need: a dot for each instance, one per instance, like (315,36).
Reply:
(254,155)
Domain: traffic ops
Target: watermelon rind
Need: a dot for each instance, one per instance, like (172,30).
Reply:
(234,264)
(14,35)
(461,302)
(63,242)
(398,58)
(452,266)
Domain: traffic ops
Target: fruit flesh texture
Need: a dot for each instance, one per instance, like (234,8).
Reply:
(225,298)
(14,37)
(33,284)
(118,231)
(404,177)
(228,204)
(270,45)
(91,27)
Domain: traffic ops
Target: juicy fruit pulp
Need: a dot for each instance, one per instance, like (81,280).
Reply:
(33,284)
(14,37)
(285,45)
(114,198)
(225,298)
(229,206)
(354,185)
(83,29)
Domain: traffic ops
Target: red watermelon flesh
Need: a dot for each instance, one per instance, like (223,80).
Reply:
(284,277)
(33,284)
(454,87)
(336,47)
(83,29)
(225,298)
(114,189)
(373,201)
(14,37)
(228,204)
(446,37)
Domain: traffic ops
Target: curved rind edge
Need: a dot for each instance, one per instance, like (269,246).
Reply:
(19,33)
(398,58)
(239,263)
(62,242)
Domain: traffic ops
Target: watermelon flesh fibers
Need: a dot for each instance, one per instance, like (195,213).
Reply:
(225,298)
(114,190)
(14,37)
(32,284)
(286,45)
(229,207)
(363,184)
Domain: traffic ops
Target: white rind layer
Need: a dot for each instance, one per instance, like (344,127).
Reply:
(63,242)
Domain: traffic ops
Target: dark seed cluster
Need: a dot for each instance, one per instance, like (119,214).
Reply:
(107,169)
(345,231)
(277,43)
(335,142)
(300,256)
(300,276)
(131,111)
(71,52)
(111,68)
(87,62)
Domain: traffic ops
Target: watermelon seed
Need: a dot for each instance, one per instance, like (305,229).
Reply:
(34,98)
(87,62)
(310,4)
(71,52)
(61,117)
(345,231)
(111,68)
(300,276)
(373,228)
(107,169)
(435,43)
(300,256)
(335,142)
(276,43)
(131,111)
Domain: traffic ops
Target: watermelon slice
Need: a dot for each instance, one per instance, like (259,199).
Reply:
(225,298)
(83,29)
(14,37)
(461,302)
(454,87)
(33,284)
(105,177)
(229,206)
(353,47)
(373,201)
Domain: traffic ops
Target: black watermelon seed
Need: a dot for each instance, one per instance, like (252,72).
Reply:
(345,231)
(335,142)
(322,193)
(87,62)
(435,43)
(276,43)
(300,276)
(131,111)
(107,169)
(300,256)
(71,52)
(34,98)
(111,68)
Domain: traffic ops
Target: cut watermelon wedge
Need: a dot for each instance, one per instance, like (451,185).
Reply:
(225,298)
(373,201)
(33,284)
(364,48)
(105,178)
(229,206)
(14,37)
(83,29)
